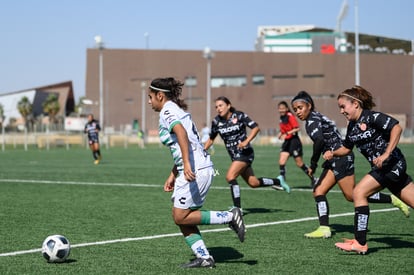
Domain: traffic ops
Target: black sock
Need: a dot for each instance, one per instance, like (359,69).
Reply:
(361,224)
(322,207)
(305,169)
(94,155)
(379,198)
(282,170)
(235,193)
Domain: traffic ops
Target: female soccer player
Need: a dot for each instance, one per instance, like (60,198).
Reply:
(291,146)
(376,136)
(325,136)
(231,125)
(92,129)
(192,173)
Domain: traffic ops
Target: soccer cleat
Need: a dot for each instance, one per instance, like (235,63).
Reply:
(241,209)
(283,185)
(237,223)
(200,262)
(352,246)
(400,205)
(96,161)
(322,231)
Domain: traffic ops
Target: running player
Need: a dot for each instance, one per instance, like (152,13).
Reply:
(291,146)
(376,136)
(192,173)
(231,125)
(325,136)
(92,129)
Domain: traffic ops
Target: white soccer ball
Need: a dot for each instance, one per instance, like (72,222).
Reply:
(56,248)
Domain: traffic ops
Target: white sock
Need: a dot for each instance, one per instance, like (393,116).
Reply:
(200,250)
(220,217)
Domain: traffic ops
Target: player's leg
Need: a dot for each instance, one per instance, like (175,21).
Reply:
(254,182)
(235,169)
(326,182)
(367,186)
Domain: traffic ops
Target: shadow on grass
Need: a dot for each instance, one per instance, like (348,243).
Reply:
(392,242)
(340,228)
(229,255)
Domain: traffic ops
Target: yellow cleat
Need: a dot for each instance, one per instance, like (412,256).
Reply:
(321,232)
(96,161)
(400,205)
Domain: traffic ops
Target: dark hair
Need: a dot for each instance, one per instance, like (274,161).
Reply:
(284,103)
(304,96)
(172,89)
(359,94)
(227,101)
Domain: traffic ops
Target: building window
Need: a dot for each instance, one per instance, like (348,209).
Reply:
(284,76)
(190,81)
(258,79)
(313,75)
(228,81)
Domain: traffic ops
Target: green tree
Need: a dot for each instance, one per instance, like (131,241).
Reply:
(51,107)
(25,108)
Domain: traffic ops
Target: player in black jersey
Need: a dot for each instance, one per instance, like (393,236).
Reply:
(291,146)
(231,125)
(92,129)
(376,136)
(326,137)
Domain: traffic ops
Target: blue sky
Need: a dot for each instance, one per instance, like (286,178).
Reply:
(45,41)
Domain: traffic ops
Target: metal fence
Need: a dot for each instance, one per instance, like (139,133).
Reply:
(67,139)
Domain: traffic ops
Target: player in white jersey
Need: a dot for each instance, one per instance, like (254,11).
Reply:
(192,173)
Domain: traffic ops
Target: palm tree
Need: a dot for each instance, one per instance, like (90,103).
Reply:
(51,107)
(25,108)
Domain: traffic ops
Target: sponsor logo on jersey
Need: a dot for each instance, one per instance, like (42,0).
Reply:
(229,129)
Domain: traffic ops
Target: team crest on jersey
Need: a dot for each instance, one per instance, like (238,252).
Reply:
(363,126)
(234,120)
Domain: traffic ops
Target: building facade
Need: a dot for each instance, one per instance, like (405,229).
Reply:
(254,81)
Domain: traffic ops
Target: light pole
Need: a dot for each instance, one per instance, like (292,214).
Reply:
(143,103)
(357,73)
(100,45)
(208,54)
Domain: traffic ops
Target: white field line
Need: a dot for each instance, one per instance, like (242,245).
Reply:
(15,253)
(135,185)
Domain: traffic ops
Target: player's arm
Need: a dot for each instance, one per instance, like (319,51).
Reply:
(183,142)
(341,151)
(395,135)
(170,182)
(208,143)
(253,133)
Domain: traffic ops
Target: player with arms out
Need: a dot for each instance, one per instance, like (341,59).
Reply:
(231,125)
(92,129)
(192,173)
